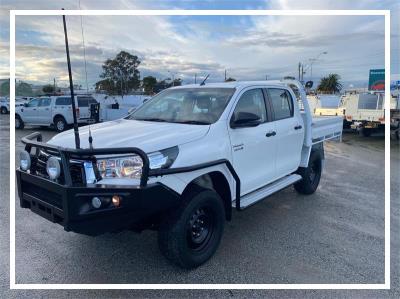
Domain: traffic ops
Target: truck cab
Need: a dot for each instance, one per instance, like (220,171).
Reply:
(179,164)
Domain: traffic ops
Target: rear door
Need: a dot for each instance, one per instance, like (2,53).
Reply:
(289,130)
(43,112)
(63,106)
(253,148)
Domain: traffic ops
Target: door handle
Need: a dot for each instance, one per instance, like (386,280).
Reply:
(269,134)
(297,127)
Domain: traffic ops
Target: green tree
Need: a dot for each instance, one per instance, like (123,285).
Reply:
(123,72)
(23,89)
(48,88)
(148,84)
(330,84)
(5,89)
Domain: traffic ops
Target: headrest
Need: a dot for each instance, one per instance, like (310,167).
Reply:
(203,102)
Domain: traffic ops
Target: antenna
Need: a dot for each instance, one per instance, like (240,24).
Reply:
(90,139)
(204,81)
(84,48)
(71,86)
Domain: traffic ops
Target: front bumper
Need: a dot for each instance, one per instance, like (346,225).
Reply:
(71,206)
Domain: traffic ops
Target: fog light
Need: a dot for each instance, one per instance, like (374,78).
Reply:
(116,200)
(96,202)
(53,168)
(24,160)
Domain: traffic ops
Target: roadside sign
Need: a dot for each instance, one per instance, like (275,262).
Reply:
(376,79)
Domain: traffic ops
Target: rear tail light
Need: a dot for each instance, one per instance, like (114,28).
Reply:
(381,119)
(77,112)
(349,117)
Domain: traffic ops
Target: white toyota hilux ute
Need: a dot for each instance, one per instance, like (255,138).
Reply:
(179,164)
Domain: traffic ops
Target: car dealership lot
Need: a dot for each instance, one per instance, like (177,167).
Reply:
(333,236)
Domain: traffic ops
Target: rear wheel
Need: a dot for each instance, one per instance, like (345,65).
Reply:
(310,175)
(190,235)
(4,110)
(366,132)
(60,124)
(19,124)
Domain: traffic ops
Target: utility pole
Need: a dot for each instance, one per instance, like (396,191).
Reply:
(54,86)
(195,78)
(266,77)
(225,75)
(302,72)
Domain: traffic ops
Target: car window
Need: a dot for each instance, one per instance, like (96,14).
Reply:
(252,101)
(34,103)
(63,101)
(185,105)
(82,101)
(45,102)
(282,103)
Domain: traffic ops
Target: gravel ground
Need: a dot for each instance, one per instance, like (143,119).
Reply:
(333,236)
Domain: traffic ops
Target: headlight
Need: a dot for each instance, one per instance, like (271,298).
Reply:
(131,166)
(120,167)
(53,168)
(163,158)
(24,160)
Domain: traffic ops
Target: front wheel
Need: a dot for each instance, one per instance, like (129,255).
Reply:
(190,235)
(19,124)
(311,175)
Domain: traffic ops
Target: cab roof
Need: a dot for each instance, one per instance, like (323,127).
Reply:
(235,84)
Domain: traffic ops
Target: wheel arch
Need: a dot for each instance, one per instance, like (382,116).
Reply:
(58,115)
(215,180)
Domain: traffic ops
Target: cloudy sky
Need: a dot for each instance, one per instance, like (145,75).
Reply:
(248,47)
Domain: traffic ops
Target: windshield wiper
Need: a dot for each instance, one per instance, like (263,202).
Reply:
(151,119)
(194,122)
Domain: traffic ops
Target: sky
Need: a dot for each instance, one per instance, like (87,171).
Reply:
(247,47)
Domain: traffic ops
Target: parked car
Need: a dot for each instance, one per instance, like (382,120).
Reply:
(179,164)
(54,111)
(366,112)
(4,105)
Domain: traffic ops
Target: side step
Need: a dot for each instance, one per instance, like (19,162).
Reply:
(259,194)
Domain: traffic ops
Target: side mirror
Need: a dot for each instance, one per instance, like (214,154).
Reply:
(309,84)
(245,119)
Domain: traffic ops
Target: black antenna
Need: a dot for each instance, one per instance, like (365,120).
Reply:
(204,81)
(71,86)
(90,139)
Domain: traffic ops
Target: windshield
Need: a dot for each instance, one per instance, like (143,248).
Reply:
(202,106)
(329,101)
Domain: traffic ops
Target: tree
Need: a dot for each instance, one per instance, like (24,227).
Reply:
(123,72)
(176,82)
(5,88)
(230,79)
(48,89)
(148,84)
(23,89)
(330,84)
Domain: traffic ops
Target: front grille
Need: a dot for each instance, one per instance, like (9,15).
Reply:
(47,196)
(76,169)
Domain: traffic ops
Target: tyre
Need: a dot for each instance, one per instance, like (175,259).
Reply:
(60,124)
(19,124)
(310,175)
(3,110)
(190,235)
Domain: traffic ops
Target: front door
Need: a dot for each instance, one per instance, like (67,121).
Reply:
(30,111)
(254,147)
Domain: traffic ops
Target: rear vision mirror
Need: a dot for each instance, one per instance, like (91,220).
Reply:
(245,119)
